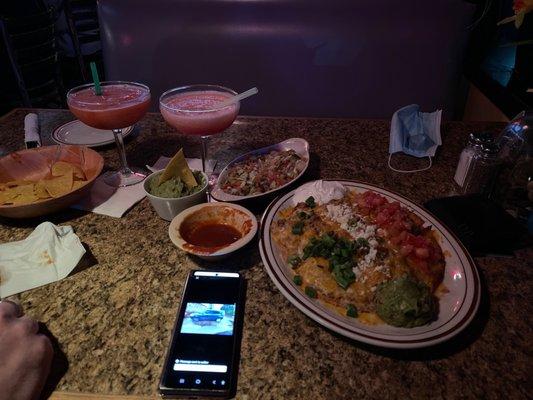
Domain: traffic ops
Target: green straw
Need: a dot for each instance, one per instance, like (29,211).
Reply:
(96,80)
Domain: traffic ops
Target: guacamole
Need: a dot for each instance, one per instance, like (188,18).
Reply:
(405,302)
(175,187)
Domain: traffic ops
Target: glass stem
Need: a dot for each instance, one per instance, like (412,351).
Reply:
(204,154)
(121,151)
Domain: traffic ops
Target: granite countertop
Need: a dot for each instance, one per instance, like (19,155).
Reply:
(113,316)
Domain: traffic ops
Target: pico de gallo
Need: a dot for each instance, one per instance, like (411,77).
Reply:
(263,173)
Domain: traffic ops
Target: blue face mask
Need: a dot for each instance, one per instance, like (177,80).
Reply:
(414,133)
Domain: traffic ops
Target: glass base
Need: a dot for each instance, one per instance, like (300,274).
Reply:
(120,179)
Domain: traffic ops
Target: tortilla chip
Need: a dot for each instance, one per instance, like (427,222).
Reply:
(17,183)
(40,190)
(60,185)
(24,190)
(24,199)
(178,167)
(7,196)
(78,184)
(61,168)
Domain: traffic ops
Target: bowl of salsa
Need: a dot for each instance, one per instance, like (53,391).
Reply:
(213,231)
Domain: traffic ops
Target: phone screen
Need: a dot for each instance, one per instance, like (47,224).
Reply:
(203,353)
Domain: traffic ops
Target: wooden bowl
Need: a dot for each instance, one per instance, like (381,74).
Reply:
(34,164)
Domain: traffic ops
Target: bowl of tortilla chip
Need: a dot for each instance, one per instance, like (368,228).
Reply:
(44,180)
(175,188)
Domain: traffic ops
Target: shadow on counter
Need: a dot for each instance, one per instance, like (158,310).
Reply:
(59,364)
(242,259)
(87,261)
(62,216)
(442,350)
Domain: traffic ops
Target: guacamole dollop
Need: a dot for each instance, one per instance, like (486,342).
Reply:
(175,187)
(405,302)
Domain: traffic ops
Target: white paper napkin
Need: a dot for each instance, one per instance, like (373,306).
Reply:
(31,130)
(107,200)
(114,202)
(47,255)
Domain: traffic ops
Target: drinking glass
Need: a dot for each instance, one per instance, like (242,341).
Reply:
(120,105)
(196,110)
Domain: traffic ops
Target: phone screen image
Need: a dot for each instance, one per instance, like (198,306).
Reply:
(204,348)
(208,319)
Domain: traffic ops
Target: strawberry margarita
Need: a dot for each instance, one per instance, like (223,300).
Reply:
(119,106)
(198,112)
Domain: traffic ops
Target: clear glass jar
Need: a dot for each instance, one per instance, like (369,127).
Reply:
(516,172)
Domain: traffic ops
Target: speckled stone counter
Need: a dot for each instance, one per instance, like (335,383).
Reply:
(112,317)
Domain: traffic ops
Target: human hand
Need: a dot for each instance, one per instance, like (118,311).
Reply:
(25,355)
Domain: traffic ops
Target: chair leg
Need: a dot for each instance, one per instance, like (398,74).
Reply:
(75,41)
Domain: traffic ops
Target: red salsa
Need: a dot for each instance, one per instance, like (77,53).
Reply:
(211,234)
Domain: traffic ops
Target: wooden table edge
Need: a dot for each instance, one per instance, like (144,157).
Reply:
(60,395)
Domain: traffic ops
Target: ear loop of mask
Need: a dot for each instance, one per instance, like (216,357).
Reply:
(410,171)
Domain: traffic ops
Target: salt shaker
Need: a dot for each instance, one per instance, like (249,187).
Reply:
(472,150)
(483,170)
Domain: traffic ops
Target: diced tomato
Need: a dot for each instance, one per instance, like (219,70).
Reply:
(406,249)
(381,218)
(422,252)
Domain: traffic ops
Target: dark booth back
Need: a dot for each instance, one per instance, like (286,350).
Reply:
(359,58)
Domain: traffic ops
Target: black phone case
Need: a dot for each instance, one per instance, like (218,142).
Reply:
(177,393)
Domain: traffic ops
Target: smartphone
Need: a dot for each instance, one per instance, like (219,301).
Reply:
(203,355)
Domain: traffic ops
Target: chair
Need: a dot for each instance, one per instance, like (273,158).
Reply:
(30,48)
(82,20)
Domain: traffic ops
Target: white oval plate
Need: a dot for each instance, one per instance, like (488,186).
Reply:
(456,308)
(300,146)
(76,132)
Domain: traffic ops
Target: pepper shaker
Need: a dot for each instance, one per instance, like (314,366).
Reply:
(482,170)
(473,149)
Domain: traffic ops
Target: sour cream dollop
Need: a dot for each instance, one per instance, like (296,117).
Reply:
(322,191)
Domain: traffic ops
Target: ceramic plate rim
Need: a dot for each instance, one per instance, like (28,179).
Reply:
(313,309)
(125,133)
(219,195)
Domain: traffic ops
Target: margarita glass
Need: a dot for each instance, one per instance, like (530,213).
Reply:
(120,105)
(196,110)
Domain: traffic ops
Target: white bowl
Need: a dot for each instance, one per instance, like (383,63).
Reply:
(168,208)
(230,214)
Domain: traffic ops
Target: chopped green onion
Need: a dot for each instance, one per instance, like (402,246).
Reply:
(303,215)
(362,242)
(298,228)
(310,201)
(294,260)
(311,292)
(339,252)
(351,311)
(297,279)
(343,274)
